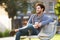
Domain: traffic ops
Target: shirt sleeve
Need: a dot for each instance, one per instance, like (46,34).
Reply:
(30,20)
(47,21)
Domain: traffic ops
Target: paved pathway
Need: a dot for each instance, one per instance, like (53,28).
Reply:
(8,38)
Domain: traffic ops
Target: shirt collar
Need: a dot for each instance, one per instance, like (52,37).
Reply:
(40,16)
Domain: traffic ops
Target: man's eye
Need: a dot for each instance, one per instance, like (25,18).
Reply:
(38,8)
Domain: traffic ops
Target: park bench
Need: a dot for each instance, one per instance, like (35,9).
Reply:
(46,33)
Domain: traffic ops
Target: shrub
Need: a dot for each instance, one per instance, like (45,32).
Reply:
(1,34)
(5,34)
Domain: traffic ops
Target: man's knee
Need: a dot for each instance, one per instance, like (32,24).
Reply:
(30,26)
(18,33)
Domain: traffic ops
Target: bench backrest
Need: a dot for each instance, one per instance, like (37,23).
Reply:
(49,30)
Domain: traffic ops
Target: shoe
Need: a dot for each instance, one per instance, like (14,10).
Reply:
(12,33)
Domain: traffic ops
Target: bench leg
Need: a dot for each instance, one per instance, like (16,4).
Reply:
(29,38)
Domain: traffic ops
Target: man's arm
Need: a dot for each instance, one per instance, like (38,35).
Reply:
(30,20)
(47,21)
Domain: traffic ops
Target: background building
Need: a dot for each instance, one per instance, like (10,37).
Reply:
(49,4)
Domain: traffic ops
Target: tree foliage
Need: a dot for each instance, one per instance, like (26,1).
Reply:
(57,9)
(15,5)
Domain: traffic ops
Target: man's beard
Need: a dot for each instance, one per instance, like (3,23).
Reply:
(39,12)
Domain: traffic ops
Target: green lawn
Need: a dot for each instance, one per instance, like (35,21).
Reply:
(56,37)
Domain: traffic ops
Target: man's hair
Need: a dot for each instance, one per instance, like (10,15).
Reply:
(41,5)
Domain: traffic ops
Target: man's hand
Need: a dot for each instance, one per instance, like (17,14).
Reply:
(39,25)
(36,25)
(16,30)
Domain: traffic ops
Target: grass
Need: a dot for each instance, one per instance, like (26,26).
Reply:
(56,37)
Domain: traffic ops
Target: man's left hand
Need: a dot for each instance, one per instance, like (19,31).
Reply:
(39,24)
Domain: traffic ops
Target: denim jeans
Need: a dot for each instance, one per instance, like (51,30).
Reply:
(25,32)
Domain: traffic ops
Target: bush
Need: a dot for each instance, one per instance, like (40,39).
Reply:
(1,34)
(5,34)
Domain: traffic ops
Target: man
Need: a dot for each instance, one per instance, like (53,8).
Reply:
(35,23)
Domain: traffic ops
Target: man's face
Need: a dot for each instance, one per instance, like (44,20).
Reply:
(38,9)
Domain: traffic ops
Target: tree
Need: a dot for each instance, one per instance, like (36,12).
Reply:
(15,5)
(57,9)
(22,5)
(11,7)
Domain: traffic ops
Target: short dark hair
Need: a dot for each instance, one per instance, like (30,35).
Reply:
(41,5)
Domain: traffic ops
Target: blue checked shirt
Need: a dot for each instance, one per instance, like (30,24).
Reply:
(43,19)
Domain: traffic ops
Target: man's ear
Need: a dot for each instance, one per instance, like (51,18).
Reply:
(42,9)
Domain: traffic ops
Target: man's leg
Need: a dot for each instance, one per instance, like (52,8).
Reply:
(25,32)
(20,33)
(33,30)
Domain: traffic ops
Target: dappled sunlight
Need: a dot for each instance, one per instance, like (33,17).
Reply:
(4,19)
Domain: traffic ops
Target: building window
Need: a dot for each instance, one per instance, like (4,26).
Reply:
(51,7)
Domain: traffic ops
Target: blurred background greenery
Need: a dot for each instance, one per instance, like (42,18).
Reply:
(5,34)
(23,6)
(57,9)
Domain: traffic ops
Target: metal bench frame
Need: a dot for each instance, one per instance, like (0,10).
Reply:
(42,35)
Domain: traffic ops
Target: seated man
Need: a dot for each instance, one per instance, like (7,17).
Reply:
(35,23)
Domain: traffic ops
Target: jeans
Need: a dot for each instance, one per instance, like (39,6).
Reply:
(25,32)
